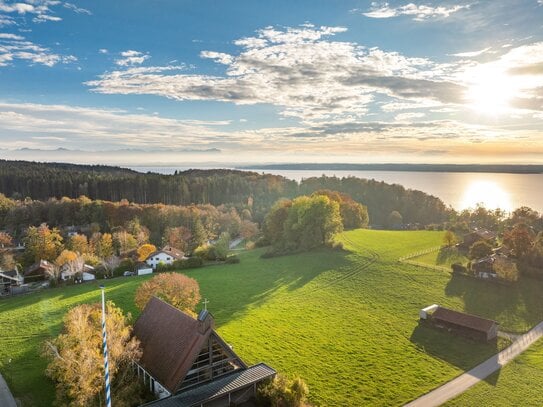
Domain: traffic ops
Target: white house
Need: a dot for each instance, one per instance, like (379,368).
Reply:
(167,255)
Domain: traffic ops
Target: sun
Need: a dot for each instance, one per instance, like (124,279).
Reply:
(488,194)
(490,90)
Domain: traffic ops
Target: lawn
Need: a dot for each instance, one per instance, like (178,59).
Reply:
(345,321)
(517,384)
(443,257)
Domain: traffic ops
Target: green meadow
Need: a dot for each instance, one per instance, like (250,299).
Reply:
(517,384)
(345,321)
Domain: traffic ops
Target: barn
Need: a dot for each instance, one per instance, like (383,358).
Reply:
(186,363)
(463,324)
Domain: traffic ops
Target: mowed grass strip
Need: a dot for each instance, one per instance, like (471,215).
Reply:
(345,321)
(517,384)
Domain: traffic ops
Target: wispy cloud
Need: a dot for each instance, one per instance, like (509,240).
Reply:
(48,127)
(15,47)
(41,10)
(131,57)
(471,54)
(76,9)
(301,70)
(419,12)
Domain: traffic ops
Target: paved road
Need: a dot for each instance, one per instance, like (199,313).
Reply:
(463,382)
(6,399)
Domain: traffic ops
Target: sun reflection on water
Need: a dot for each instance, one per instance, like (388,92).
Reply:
(488,194)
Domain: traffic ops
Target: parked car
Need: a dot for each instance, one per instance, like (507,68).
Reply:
(128,273)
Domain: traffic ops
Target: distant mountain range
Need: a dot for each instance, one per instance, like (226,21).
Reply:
(495,168)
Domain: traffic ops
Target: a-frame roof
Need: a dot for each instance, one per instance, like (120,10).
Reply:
(171,341)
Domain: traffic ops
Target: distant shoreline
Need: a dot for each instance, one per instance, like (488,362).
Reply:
(489,168)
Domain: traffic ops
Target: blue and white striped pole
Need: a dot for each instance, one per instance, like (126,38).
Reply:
(104,342)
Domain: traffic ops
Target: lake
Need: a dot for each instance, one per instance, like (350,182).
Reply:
(461,190)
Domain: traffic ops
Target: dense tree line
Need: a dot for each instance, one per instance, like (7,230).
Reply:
(162,224)
(258,192)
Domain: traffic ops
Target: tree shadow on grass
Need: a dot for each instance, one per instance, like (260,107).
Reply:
(486,299)
(461,352)
(448,255)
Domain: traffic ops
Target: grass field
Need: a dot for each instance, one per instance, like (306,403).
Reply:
(344,321)
(517,384)
(443,257)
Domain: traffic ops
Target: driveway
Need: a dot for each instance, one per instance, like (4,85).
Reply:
(463,382)
(6,399)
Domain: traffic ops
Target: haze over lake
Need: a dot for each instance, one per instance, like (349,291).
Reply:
(461,190)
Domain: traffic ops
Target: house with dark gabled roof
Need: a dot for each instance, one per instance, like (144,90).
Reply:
(185,362)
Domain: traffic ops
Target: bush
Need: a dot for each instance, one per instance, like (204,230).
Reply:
(283,392)
(126,265)
(459,268)
(232,260)
(194,262)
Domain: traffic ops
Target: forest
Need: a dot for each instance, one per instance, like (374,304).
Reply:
(21,180)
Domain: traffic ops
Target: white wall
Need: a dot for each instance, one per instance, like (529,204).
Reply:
(160,257)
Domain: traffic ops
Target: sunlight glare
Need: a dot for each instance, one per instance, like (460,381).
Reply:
(486,193)
(491,90)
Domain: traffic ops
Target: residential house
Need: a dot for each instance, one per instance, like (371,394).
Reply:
(478,235)
(167,255)
(41,270)
(186,363)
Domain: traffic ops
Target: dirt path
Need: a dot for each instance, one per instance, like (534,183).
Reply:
(463,382)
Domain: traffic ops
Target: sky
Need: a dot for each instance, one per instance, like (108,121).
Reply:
(245,82)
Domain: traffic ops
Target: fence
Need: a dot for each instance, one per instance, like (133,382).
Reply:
(406,259)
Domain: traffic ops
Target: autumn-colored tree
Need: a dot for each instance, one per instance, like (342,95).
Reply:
(520,239)
(42,243)
(248,229)
(353,214)
(176,289)
(274,224)
(101,244)
(449,238)
(178,237)
(5,240)
(71,263)
(505,269)
(7,261)
(145,250)
(109,264)
(76,360)
(140,232)
(79,244)
(124,241)
(65,257)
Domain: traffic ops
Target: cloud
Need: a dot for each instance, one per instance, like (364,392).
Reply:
(15,47)
(159,139)
(103,51)
(131,57)
(418,12)
(405,117)
(77,9)
(42,10)
(301,70)
(471,54)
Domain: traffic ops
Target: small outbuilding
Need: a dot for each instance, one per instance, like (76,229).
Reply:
(463,324)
